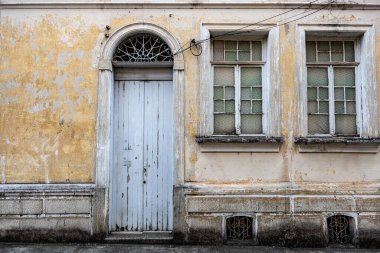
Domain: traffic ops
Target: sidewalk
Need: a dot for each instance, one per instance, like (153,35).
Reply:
(150,248)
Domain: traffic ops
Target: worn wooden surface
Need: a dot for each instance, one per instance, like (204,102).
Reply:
(143,156)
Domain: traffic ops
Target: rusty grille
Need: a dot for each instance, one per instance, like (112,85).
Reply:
(143,48)
(339,229)
(239,228)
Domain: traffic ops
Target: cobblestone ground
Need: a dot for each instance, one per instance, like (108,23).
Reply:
(141,248)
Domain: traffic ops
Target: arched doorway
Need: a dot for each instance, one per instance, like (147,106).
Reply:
(143,155)
(104,123)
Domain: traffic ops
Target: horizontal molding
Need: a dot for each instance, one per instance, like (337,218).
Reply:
(283,188)
(160,4)
(46,188)
(239,144)
(337,144)
(240,147)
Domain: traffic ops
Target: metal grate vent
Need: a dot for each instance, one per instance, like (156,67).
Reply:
(339,229)
(239,228)
(143,48)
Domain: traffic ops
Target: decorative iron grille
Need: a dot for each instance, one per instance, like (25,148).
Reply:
(239,228)
(143,47)
(339,229)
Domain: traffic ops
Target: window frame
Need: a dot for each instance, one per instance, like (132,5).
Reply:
(237,66)
(366,91)
(271,123)
(331,66)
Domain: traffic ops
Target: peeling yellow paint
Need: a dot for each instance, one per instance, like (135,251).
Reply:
(48,92)
(48,86)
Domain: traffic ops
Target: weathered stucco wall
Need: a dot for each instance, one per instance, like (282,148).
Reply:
(48,84)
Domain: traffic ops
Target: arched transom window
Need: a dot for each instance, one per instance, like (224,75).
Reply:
(143,47)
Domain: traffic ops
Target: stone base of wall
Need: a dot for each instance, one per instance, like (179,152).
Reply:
(289,221)
(75,213)
(50,214)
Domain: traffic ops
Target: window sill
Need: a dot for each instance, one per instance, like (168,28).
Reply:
(337,144)
(239,144)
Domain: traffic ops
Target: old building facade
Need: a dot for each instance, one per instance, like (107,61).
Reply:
(190,121)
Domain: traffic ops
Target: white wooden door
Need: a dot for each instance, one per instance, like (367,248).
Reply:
(142,178)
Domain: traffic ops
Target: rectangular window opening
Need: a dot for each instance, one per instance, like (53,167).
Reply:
(331,88)
(237,87)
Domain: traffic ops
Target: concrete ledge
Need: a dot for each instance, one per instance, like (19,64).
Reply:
(337,144)
(367,204)
(68,205)
(324,204)
(242,203)
(20,206)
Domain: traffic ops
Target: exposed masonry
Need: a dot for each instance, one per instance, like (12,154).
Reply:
(46,212)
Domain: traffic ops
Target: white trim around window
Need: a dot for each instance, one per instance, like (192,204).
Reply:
(367,126)
(270,79)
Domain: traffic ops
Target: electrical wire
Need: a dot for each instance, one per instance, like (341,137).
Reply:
(238,31)
(280,14)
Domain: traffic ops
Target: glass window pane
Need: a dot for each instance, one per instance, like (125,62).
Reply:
(224,76)
(256,93)
(312,107)
(344,76)
(218,93)
(230,106)
(337,57)
(245,107)
(339,107)
(251,124)
(351,107)
(229,93)
(349,51)
(230,44)
(323,93)
(218,50)
(317,77)
(323,46)
(350,93)
(250,77)
(345,124)
(337,46)
(311,93)
(256,51)
(339,93)
(257,106)
(230,56)
(218,106)
(324,107)
(318,124)
(224,124)
(245,45)
(323,57)
(310,51)
(244,56)
(245,93)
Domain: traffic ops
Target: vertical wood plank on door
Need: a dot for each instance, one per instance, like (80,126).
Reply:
(133,139)
(116,132)
(150,153)
(143,138)
(168,155)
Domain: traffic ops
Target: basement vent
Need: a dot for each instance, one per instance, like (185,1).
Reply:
(239,228)
(339,229)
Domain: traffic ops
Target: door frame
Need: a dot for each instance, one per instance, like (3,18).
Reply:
(104,125)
